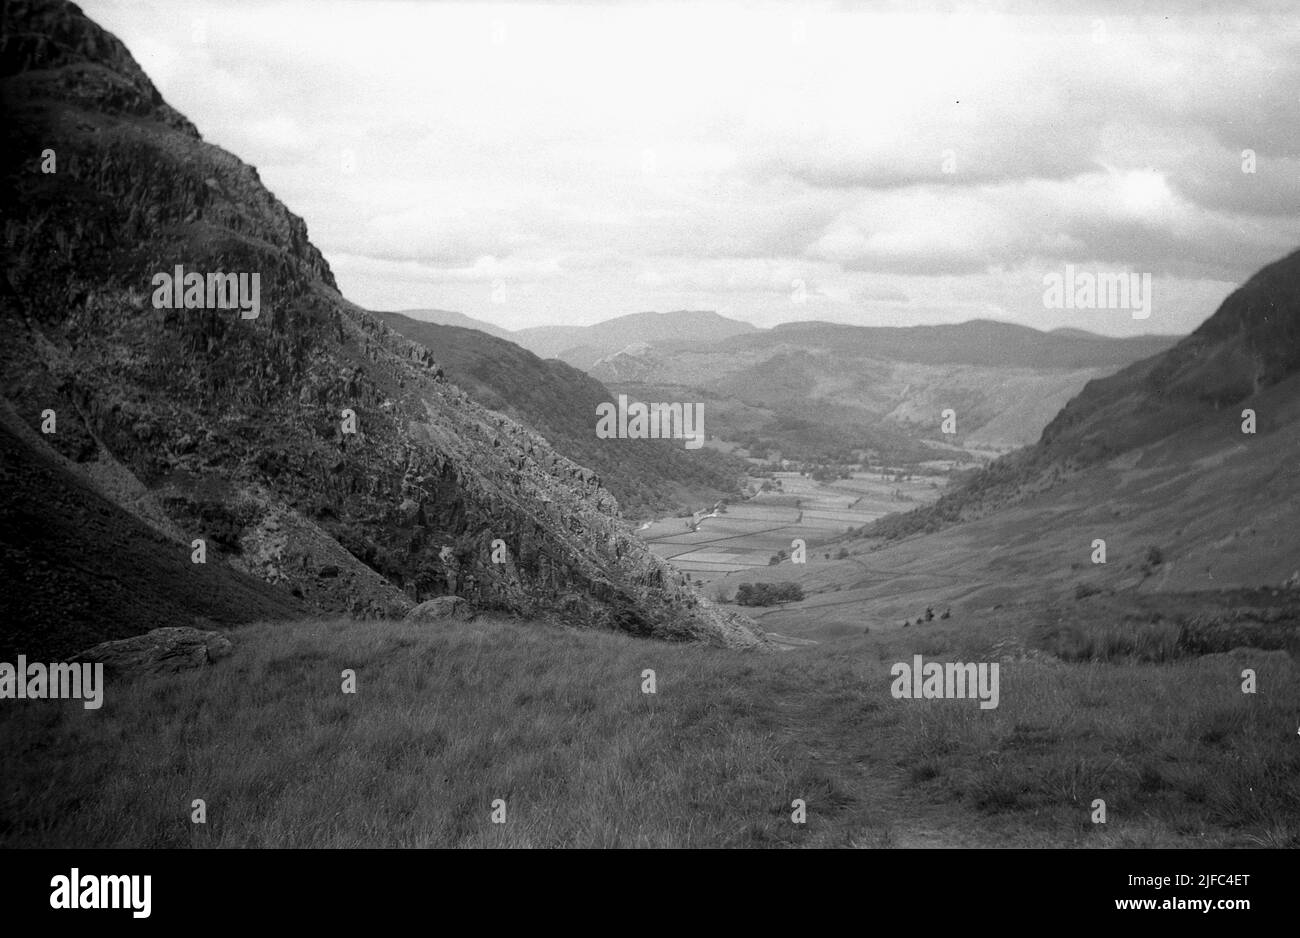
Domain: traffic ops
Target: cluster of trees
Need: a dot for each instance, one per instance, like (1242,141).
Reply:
(829,474)
(768,594)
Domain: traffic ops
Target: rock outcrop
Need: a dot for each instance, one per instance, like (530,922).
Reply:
(441,608)
(161,651)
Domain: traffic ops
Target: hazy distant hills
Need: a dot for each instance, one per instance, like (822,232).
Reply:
(583,346)
(814,388)
(819,389)
(980,342)
(648,477)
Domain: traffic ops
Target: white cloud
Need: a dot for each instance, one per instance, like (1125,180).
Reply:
(605,158)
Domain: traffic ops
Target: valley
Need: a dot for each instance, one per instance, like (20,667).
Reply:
(436,570)
(747,534)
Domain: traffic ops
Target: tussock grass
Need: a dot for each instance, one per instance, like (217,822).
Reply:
(1111,641)
(449,718)
(1161,640)
(1175,751)
(444,721)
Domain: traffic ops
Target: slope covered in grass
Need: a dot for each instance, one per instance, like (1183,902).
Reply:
(554,722)
(1245,356)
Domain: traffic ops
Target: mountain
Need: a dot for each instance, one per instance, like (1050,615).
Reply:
(443,317)
(648,477)
(307,444)
(1158,454)
(823,390)
(982,342)
(583,346)
(1146,507)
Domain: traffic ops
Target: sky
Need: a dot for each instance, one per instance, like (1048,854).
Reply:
(537,164)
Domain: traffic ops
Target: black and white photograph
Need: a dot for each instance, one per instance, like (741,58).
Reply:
(638,424)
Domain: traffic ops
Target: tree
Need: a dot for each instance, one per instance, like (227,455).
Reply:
(768,594)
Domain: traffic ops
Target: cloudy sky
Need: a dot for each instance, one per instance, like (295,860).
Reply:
(530,164)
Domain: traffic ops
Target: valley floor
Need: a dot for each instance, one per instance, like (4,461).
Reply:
(448,719)
(742,539)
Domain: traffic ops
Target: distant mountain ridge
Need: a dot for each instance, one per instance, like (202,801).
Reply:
(975,342)
(867,387)
(583,346)
(817,390)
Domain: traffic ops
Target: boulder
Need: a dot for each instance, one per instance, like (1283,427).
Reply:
(440,608)
(161,651)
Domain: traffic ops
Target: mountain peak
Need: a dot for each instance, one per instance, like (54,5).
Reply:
(53,44)
(309,446)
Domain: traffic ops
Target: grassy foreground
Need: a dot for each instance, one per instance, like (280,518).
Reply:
(447,719)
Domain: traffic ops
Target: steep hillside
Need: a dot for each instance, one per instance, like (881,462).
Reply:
(648,477)
(78,569)
(1183,404)
(309,446)
(1143,510)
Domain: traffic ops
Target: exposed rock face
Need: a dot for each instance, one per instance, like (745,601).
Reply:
(78,569)
(440,608)
(162,651)
(235,426)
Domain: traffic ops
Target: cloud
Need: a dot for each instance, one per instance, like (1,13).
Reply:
(599,158)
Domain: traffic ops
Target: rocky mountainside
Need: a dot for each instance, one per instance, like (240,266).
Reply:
(310,447)
(79,569)
(650,478)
